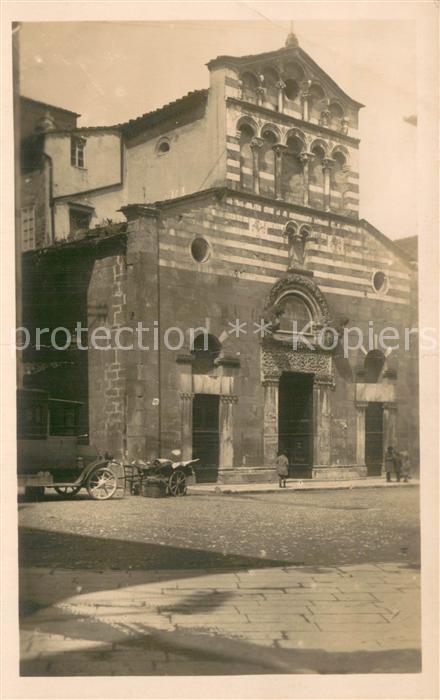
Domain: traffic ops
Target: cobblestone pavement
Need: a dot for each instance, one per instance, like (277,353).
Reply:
(221,584)
(278,620)
(223,530)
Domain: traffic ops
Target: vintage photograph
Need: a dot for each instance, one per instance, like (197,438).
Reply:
(217,346)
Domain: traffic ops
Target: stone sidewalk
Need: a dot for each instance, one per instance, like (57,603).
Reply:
(348,619)
(301,485)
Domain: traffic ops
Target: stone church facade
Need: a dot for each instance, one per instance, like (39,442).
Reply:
(227,224)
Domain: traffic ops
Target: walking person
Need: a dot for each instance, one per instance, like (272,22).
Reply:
(282,467)
(390,463)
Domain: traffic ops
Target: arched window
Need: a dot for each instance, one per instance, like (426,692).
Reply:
(292,89)
(294,310)
(316,102)
(206,348)
(271,91)
(292,180)
(249,88)
(336,116)
(373,365)
(316,177)
(246,163)
(293,71)
(267,164)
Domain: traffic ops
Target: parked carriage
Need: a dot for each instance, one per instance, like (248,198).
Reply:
(50,456)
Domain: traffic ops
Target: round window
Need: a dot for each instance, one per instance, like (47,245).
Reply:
(380,281)
(163,147)
(200,249)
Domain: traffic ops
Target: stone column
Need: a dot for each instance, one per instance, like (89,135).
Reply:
(321,424)
(256,144)
(360,433)
(226,457)
(305,99)
(281,85)
(186,424)
(278,149)
(327,165)
(306,157)
(325,118)
(270,424)
(261,91)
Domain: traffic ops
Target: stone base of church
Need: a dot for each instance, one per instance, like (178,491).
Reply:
(247,475)
(255,475)
(338,473)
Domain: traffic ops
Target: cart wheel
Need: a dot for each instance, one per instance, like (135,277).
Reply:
(67,491)
(102,483)
(177,484)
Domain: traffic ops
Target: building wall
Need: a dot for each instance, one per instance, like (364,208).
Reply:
(102,166)
(33,112)
(104,207)
(248,255)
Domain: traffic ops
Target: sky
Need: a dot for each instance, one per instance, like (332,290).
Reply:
(114,71)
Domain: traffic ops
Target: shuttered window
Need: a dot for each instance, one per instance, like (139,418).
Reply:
(28,228)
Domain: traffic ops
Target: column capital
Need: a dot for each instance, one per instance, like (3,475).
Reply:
(256,142)
(306,156)
(325,117)
(327,163)
(324,380)
(271,381)
(186,396)
(228,398)
(390,406)
(280,84)
(279,148)
(362,405)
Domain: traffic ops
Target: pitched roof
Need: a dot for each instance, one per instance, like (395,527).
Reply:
(409,245)
(49,106)
(394,245)
(288,51)
(188,101)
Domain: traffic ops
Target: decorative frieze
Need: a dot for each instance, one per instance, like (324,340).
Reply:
(276,360)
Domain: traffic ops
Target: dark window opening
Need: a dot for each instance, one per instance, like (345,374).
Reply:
(292,89)
(163,147)
(200,249)
(373,365)
(63,418)
(79,220)
(380,281)
(205,350)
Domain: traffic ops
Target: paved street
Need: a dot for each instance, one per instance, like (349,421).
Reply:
(282,582)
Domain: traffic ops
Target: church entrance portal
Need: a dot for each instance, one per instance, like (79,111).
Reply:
(295,422)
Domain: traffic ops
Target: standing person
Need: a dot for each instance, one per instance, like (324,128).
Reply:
(390,462)
(406,467)
(398,465)
(282,467)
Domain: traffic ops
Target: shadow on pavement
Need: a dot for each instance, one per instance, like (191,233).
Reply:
(192,652)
